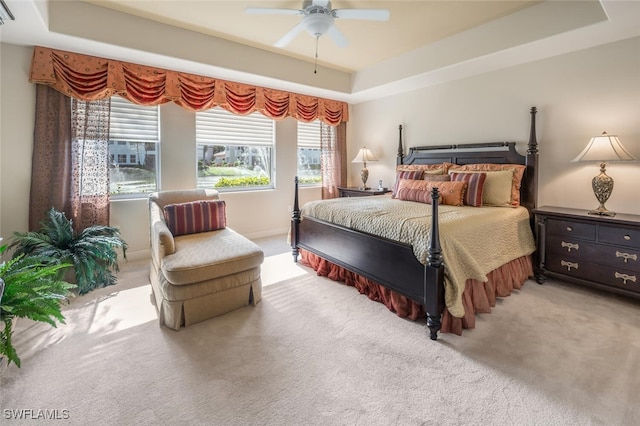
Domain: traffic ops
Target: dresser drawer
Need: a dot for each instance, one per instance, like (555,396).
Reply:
(570,266)
(618,277)
(588,271)
(619,236)
(584,231)
(619,257)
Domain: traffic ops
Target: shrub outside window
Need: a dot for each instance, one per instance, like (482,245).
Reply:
(133,148)
(234,152)
(309,153)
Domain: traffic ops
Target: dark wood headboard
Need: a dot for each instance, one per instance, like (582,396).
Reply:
(491,152)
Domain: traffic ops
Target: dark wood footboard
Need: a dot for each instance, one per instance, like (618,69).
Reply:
(387,262)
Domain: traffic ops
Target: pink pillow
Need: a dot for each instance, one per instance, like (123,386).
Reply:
(405,174)
(475,184)
(196,216)
(451,193)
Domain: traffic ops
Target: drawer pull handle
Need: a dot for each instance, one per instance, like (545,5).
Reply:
(570,246)
(626,277)
(627,237)
(569,265)
(627,256)
(569,228)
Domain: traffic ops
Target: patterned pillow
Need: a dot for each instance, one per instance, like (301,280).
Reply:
(517,169)
(475,185)
(196,216)
(451,193)
(432,169)
(436,178)
(405,174)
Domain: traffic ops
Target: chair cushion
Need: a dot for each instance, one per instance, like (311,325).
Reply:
(207,255)
(195,216)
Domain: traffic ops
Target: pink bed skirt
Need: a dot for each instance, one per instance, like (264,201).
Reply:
(478,297)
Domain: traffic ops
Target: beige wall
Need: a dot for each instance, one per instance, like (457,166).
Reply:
(578,95)
(16,138)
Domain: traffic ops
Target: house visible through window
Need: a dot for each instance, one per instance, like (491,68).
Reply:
(133,147)
(310,152)
(234,151)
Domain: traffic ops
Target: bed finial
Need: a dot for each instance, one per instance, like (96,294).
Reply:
(400,150)
(533,141)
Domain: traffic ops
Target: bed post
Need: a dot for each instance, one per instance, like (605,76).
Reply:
(295,223)
(434,273)
(400,157)
(531,184)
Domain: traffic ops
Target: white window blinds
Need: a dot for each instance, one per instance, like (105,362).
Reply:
(309,134)
(217,126)
(132,122)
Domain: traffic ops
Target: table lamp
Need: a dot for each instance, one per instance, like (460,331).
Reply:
(603,148)
(363,156)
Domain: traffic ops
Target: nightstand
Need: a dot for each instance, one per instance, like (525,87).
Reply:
(597,251)
(358,192)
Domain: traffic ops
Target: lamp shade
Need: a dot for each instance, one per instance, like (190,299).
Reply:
(364,156)
(604,148)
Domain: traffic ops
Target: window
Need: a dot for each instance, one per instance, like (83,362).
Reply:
(133,147)
(310,151)
(234,151)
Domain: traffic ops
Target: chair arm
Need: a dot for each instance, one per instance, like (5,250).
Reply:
(162,242)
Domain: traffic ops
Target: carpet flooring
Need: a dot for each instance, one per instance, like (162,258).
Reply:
(316,352)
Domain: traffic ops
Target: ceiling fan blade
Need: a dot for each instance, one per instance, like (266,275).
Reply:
(286,39)
(336,35)
(271,11)
(365,14)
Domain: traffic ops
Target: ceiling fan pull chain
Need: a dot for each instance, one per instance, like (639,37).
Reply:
(315,65)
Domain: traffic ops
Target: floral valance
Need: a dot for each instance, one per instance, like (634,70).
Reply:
(89,78)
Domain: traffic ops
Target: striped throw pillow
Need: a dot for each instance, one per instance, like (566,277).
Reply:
(196,216)
(451,193)
(405,174)
(475,185)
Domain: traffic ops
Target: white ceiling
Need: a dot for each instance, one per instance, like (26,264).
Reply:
(423,43)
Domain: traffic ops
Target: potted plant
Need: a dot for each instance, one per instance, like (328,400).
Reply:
(29,288)
(92,252)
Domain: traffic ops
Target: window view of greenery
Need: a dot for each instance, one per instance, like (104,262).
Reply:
(309,172)
(234,151)
(132,168)
(133,148)
(309,153)
(232,166)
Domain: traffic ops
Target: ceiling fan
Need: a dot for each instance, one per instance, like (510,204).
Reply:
(318,19)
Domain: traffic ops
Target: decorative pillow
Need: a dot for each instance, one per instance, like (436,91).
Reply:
(496,191)
(517,169)
(196,216)
(475,185)
(405,174)
(451,193)
(432,169)
(436,178)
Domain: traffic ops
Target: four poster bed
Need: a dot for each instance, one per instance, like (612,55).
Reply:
(445,261)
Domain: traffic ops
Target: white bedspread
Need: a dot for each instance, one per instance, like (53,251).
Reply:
(474,240)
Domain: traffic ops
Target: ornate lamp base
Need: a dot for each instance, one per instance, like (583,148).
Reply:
(602,187)
(364,175)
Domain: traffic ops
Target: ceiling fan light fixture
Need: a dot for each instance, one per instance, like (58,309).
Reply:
(317,24)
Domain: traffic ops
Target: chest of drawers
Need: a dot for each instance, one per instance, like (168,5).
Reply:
(602,252)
